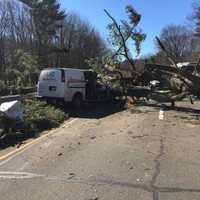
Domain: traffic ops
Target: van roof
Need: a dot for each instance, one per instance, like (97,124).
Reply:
(74,69)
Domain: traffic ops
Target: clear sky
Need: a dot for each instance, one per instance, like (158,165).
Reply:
(155,14)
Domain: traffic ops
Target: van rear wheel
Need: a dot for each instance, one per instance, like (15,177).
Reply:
(77,101)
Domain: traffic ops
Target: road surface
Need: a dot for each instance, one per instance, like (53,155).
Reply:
(133,154)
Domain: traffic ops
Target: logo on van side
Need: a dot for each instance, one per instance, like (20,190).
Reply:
(72,80)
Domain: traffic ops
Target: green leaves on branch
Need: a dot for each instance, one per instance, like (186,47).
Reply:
(26,69)
(104,65)
(120,34)
(39,116)
(138,38)
(133,15)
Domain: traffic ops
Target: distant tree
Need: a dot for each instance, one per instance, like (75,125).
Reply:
(196,18)
(177,40)
(47,16)
(26,70)
(37,33)
(63,39)
(3,29)
(80,41)
(27,66)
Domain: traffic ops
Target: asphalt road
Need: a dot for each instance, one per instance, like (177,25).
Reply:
(124,155)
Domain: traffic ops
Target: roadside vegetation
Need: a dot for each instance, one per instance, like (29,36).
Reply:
(38,116)
(38,34)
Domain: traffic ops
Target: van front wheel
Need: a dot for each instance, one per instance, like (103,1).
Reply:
(77,101)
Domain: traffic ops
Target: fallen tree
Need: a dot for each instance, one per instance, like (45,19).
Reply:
(190,81)
(120,35)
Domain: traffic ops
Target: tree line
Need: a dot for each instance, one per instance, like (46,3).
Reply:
(37,34)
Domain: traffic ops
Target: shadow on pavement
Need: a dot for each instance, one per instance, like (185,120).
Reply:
(188,114)
(96,110)
(166,107)
(11,142)
(91,111)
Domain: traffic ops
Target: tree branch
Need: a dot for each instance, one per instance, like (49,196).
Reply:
(123,40)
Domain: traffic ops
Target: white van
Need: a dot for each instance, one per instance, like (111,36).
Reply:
(72,85)
(62,84)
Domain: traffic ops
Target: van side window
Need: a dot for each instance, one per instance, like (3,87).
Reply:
(52,76)
(48,76)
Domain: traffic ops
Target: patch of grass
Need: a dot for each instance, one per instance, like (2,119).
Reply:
(38,116)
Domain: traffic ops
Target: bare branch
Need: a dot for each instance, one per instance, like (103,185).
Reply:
(123,40)
(166,52)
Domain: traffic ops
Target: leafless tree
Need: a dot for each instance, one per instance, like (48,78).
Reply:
(177,40)
(70,44)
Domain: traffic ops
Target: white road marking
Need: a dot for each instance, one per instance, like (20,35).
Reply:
(10,158)
(161,114)
(18,175)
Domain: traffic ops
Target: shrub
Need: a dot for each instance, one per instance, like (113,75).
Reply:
(39,116)
(3,89)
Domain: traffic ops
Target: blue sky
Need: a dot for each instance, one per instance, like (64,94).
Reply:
(155,14)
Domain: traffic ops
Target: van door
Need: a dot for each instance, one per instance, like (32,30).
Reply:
(50,84)
(75,84)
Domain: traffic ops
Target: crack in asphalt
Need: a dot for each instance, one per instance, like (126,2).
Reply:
(157,162)
(151,188)
(76,180)
(139,136)
(157,169)
(155,195)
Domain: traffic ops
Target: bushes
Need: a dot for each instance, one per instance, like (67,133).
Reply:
(38,117)
(3,89)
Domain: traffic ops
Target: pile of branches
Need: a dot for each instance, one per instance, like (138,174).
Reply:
(189,82)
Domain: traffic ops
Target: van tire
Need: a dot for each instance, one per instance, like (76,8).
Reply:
(77,101)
